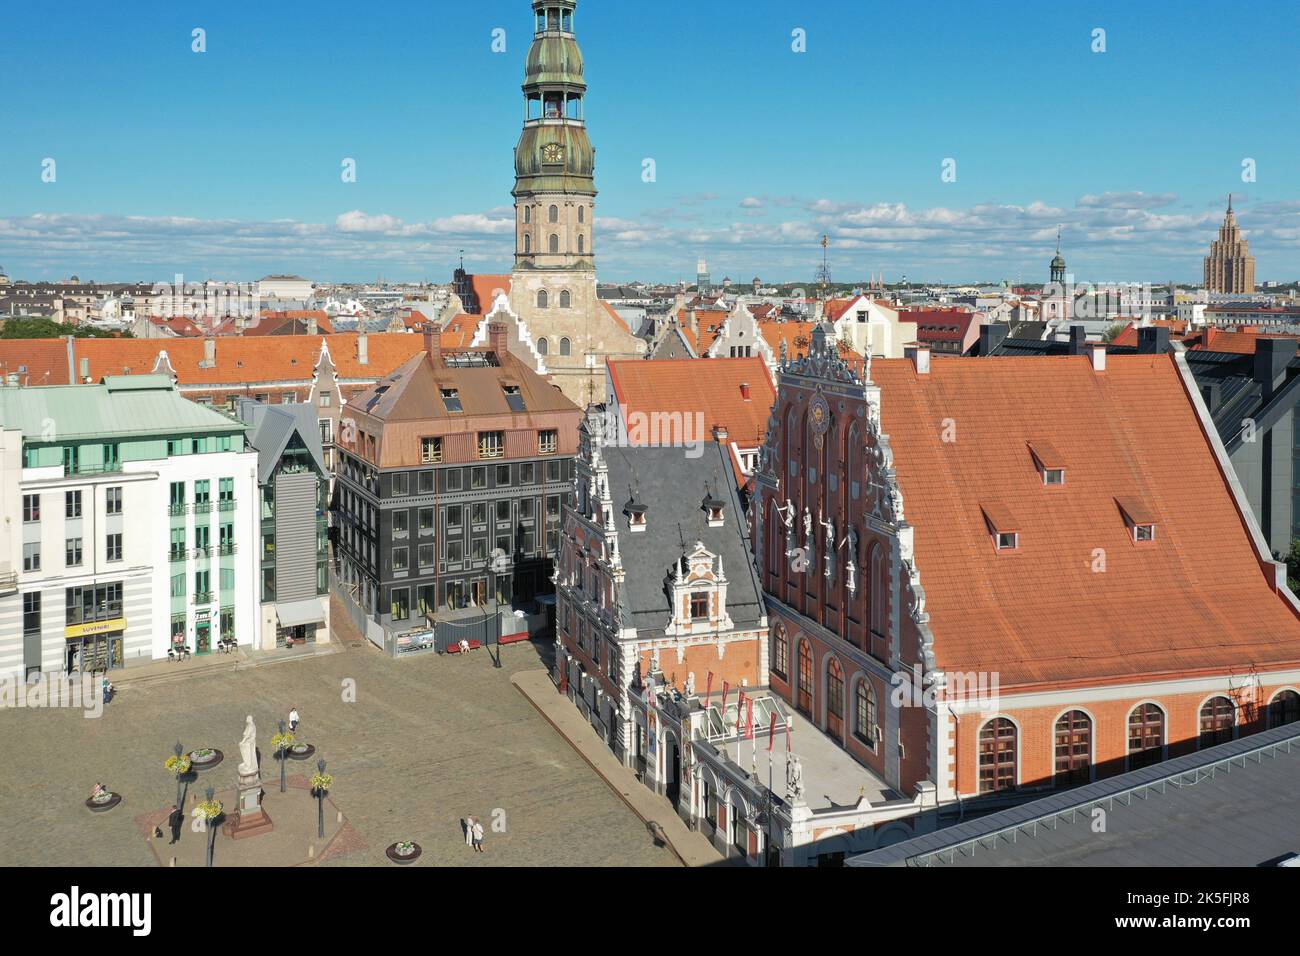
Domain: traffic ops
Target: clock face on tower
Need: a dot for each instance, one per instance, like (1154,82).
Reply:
(552,153)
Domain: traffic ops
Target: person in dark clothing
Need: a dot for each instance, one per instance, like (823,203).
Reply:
(174,820)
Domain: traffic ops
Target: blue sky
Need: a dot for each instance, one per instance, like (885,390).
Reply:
(227,163)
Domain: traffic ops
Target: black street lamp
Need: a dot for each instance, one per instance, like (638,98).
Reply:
(283,755)
(320,798)
(179,751)
(211,794)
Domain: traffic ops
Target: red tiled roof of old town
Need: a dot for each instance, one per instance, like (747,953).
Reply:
(1241,341)
(486,288)
(1129,335)
(939,325)
(239,360)
(274,323)
(1198,598)
(736,393)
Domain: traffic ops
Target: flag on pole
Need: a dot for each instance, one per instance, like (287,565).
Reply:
(726,689)
(740,713)
(771,732)
(708,691)
(749,719)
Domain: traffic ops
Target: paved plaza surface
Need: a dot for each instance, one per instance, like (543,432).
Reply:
(427,741)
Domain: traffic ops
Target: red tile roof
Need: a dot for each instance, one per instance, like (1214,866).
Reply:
(1218,340)
(486,288)
(716,388)
(1196,599)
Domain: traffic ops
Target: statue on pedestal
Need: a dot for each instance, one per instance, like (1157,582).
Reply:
(248,748)
(793,780)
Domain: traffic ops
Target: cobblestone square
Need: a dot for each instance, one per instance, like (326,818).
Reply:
(426,742)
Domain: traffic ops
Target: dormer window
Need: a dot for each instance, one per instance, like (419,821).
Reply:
(451,399)
(635,512)
(714,509)
(699,605)
(514,398)
(1138,517)
(1002,526)
(1051,465)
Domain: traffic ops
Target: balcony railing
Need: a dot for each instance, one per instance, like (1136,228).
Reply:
(108,468)
(178,509)
(202,507)
(202,597)
(177,554)
(227,549)
(226,504)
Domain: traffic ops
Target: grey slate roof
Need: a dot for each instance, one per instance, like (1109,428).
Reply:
(673,487)
(271,428)
(1230,805)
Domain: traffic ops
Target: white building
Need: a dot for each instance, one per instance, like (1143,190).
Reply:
(130,522)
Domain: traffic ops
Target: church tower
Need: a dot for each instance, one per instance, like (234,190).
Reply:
(1058,264)
(555,187)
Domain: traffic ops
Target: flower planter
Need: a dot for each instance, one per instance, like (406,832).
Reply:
(103,804)
(200,761)
(304,754)
(403,859)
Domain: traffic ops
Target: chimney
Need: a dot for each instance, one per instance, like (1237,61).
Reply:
(363,349)
(1098,350)
(85,369)
(498,338)
(919,356)
(209,353)
(1272,356)
(311,323)
(694,322)
(433,345)
(992,336)
(1078,338)
(720,434)
(744,391)
(1154,340)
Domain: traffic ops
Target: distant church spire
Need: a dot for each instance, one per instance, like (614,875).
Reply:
(1058,262)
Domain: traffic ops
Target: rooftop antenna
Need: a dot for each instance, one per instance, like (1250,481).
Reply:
(462,259)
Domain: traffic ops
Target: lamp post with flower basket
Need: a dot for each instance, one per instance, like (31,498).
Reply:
(320,784)
(178,765)
(210,811)
(282,742)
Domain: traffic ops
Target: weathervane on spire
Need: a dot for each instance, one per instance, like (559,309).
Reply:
(824,273)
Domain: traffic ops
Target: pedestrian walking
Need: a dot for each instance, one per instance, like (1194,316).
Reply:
(174,820)
(478,837)
(467,824)
(293,720)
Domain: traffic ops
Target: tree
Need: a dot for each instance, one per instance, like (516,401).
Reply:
(38,327)
(1113,332)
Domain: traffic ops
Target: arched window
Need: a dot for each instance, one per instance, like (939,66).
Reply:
(528,214)
(834,698)
(582,245)
(582,214)
(555,243)
(542,299)
(1146,736)
(1073,749)
(780,652)
(1284,709)
(565,299)
(864,713)
(565,347)
(803,700)
(997,756)
(1218,716)
(553,215)
(528,243)
(542,347)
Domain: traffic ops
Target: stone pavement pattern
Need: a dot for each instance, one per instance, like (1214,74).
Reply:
(427,741)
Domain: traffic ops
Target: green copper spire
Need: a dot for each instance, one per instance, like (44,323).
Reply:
(554,154)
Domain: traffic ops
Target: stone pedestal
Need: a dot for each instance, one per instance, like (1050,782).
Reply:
(249,818)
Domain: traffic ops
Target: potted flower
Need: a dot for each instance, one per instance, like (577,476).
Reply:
(209,811)
(404,852)
(178,765)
